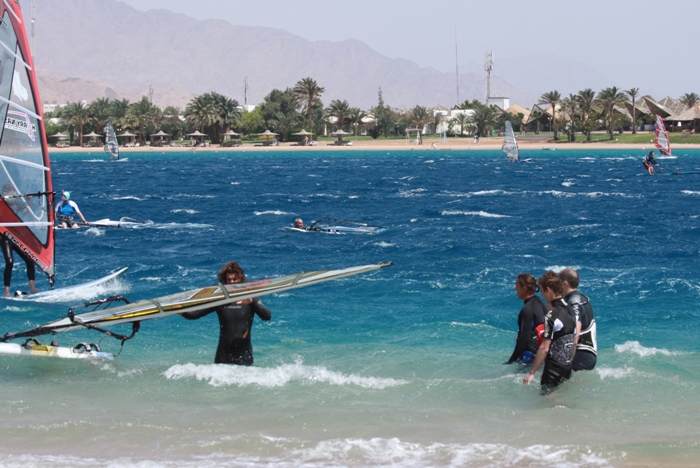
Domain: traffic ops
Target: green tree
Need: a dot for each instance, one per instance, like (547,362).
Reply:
(633,93)
(570,106)
(279,106)
(586,101)
(306,92)
(77,115)
(252,121)
(340,110)
(690,100)
(609,98)
(100,113)
(355,118)
(384,117)
(201,111)
(461,119)
(484,119)
(552,98)
(142,115)
(419,116)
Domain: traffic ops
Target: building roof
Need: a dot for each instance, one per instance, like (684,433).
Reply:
(687,115)
(516,109)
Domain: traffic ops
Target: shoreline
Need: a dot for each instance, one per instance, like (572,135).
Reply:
(390,145)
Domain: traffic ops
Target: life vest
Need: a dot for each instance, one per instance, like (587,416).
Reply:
(66,209)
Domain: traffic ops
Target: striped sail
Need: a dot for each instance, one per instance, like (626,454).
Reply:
(661,138)
(26,217)
(510,145)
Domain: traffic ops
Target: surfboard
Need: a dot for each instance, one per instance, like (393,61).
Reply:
(123,222)
(61,291)
(36,349)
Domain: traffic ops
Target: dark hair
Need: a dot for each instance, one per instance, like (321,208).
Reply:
(570,276)
(526,280)
(230,267)
(550,281)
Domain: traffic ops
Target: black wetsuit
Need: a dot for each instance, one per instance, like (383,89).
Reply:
(560,327)
(7,248)
(530,316)
(235,324)
(587,347)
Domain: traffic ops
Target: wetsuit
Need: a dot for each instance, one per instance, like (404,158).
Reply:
(7,248)
(65,211)
(235,324)
(649,161)
(530,317)
(587,347)
(560,327)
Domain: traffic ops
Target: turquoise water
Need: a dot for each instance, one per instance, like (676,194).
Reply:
(399,367)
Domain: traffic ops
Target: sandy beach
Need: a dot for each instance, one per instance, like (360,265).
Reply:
(462,144)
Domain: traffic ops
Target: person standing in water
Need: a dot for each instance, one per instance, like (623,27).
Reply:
(7,251)
(586,342)
(530,321)
(235,321)
(557,349)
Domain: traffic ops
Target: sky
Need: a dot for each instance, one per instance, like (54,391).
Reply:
(638,44)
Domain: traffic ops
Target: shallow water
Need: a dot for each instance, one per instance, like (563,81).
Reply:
(398,367)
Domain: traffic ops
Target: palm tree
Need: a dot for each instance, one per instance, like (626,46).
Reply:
(570,104)
(340,110)
(100,113)
(226,114)
(142,114)
(306,92)
(461,119)
(355,118)
(633,93)
(483,118)
(609,98)
(76,114)
(201,110)
(552,98)
(586,99)
(419,116)
(690,100)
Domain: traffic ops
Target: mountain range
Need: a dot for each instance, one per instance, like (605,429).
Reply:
(85,49)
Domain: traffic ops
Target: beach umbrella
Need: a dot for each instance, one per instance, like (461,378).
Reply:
(231,134)
(303,132)
(91,135)
(268,133)
(59,135)
(340,134)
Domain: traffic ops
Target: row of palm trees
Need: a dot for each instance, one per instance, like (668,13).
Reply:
(288,111)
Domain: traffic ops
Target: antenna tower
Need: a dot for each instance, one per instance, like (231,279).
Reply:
(488,66)
(245,91)
(456,65)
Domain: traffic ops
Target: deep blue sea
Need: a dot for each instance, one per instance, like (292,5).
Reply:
(398,367)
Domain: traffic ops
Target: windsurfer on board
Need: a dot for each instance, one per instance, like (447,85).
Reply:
(650,162)
(65,210)
(235,321)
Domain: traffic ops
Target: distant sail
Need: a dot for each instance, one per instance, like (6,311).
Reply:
(510,145)
(111,144)
(661,138)
(26,214)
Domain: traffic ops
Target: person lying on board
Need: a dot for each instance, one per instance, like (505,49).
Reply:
(65,210)
(235,321)
(7,248)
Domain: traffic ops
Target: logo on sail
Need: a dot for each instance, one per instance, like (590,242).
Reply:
(19,122)
(17,88)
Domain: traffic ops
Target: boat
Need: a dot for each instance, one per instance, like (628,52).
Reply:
(661,140)
(104,313)
(26,214)
(510,144)
(340,226)
(111,143)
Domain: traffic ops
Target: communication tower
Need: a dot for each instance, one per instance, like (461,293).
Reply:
(488,66)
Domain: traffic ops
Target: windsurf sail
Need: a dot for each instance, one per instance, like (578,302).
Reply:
(111,144)
(342,226)
(661,138)
(510,144)
(26,217)
(188,301)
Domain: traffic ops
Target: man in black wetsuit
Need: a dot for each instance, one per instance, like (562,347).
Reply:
(586,342)
(557,348)
(530,321)
(235,321)
(7,251)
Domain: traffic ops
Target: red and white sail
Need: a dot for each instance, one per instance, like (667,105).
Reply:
(26,214)
(661,138)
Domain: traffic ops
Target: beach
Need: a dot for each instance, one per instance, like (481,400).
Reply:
(457,144)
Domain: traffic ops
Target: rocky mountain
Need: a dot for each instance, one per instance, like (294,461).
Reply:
(86,49)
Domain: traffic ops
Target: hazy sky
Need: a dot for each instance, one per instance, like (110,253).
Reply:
(637,43)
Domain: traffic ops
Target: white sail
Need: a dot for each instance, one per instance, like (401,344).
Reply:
(111,144)
(510,144)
